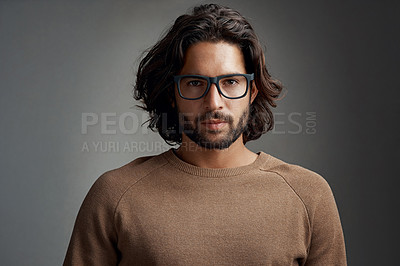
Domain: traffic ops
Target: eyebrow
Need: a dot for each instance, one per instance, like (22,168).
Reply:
(196,74)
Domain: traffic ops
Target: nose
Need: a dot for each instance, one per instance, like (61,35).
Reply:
(213,99)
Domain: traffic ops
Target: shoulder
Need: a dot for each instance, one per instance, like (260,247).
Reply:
(112,184)
(298,177)
(326,245)
(311,188)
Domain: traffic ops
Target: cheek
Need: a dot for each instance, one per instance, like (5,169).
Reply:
(239,107)
(189,108)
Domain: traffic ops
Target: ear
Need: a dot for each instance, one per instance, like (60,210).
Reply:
(253,92)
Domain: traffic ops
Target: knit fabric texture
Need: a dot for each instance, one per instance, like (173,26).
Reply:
(160,210)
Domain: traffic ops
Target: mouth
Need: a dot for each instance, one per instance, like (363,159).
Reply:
(213,124)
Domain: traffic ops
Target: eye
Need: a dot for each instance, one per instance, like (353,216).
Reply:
(194,83)
(230,82)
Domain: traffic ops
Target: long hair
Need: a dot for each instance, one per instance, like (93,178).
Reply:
(212,23)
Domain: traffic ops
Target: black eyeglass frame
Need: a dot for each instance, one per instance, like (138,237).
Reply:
(215,80)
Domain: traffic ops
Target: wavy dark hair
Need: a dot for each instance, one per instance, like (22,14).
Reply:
(211,23)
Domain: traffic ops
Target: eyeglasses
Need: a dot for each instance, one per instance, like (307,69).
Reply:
(194,87)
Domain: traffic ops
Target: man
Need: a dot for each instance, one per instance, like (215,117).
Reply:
(211,201)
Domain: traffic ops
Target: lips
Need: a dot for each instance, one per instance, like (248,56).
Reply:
(214,124)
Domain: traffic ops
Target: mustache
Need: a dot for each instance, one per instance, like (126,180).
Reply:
(215,115)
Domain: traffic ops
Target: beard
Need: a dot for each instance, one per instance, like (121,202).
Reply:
(209,139)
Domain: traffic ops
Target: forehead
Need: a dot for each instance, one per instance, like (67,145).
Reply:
(213,59)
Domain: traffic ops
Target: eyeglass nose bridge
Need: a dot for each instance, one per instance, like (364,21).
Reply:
(213,80)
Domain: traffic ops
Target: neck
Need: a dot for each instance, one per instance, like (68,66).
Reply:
(235,156)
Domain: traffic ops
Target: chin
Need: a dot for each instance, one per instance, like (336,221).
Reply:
(215,145)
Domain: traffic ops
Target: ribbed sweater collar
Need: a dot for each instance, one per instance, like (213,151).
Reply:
(215,172)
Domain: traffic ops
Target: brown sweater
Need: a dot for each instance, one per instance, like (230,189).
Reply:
(162,211)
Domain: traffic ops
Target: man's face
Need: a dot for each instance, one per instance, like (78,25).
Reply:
(213,122)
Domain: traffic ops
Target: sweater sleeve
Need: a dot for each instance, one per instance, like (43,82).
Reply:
(94,239)
(327,241)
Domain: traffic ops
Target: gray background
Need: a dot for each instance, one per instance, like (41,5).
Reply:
(60,59)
